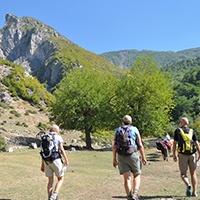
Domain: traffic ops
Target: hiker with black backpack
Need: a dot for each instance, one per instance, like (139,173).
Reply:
(127,142)
(186,144)
(52,152)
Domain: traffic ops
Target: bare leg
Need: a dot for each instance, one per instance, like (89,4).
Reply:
(50,186)
(127,183)
(136,183)
(59,184)
(185,178)
(194,181)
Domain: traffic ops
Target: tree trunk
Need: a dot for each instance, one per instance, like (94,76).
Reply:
(88,137)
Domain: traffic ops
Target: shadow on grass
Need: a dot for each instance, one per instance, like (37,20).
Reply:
(153,157)
(162,197)
(151,197)
(5,199)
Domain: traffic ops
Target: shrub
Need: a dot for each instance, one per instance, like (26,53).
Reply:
(3,144)
(41,125)
(31,111)
(18,124)
(103,137)
(4,105)
(24,124)
(14,112)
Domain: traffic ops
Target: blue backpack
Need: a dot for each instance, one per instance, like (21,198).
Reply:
(124,143)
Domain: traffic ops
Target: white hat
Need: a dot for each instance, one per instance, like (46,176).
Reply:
(127,119)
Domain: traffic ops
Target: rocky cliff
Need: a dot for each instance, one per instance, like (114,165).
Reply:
(45,53)
(26,41)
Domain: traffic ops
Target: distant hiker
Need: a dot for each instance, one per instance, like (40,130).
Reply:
(188,144)
(127,142)
(51,151)
(164,145)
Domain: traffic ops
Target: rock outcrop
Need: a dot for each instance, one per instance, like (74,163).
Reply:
(27,42)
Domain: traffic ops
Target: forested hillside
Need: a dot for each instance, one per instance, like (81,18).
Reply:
(126,58)
(179,69)
(185,76)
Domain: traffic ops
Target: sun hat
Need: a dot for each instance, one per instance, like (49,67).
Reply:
(127,119)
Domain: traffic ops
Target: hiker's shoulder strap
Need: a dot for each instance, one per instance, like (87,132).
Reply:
(189,134)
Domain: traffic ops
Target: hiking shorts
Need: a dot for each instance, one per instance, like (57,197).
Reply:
(54,167)
(186,161)
(130,163)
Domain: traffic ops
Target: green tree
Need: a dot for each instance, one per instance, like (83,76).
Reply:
(146,94)
(187,96)
(83,101)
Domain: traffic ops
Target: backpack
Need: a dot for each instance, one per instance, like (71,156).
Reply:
(161,145)
(124,142)
(187,144)
(49,149)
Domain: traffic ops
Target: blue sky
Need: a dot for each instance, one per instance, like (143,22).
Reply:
(110,25)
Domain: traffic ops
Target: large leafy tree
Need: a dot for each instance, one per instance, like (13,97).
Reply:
(146,94)
(83,101)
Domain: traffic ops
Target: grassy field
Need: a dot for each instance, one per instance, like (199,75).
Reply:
(90,176)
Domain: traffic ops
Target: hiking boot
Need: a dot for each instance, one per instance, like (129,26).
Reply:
(53,197)
(194,195)
(188,191)
(135,197)
(129,197)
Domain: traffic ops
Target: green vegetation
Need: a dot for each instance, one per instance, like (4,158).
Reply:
(26,87)
(83,101)
(91,101)
(126,58)
(185,76)
(146,94)
(14,112)
(30,112)
(4,105)
(71,55)
(3,144)
(41,125)
(21,124)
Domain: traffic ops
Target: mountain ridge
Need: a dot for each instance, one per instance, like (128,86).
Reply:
(43,52)
(126,58)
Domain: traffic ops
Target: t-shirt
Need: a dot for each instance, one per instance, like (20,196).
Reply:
(185,130)
(58,140)
(179,139)
(134,132)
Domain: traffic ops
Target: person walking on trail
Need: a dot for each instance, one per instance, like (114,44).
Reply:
(127,142)
(186,144)
(55,164)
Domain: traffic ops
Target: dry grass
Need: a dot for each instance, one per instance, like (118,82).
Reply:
(89,177)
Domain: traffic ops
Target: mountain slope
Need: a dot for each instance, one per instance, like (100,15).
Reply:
(44,52)
(126,58)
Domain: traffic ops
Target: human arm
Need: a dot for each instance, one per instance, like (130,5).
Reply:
(174,150)
(141,149)
(198,148)
(175,142)
(64,154)
(42,166)
(114,154)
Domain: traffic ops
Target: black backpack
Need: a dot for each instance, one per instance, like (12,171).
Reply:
(124,142)
(49,149)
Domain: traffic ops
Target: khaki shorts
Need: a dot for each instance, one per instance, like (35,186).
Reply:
(186,161)
(54,167)
(130,163)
